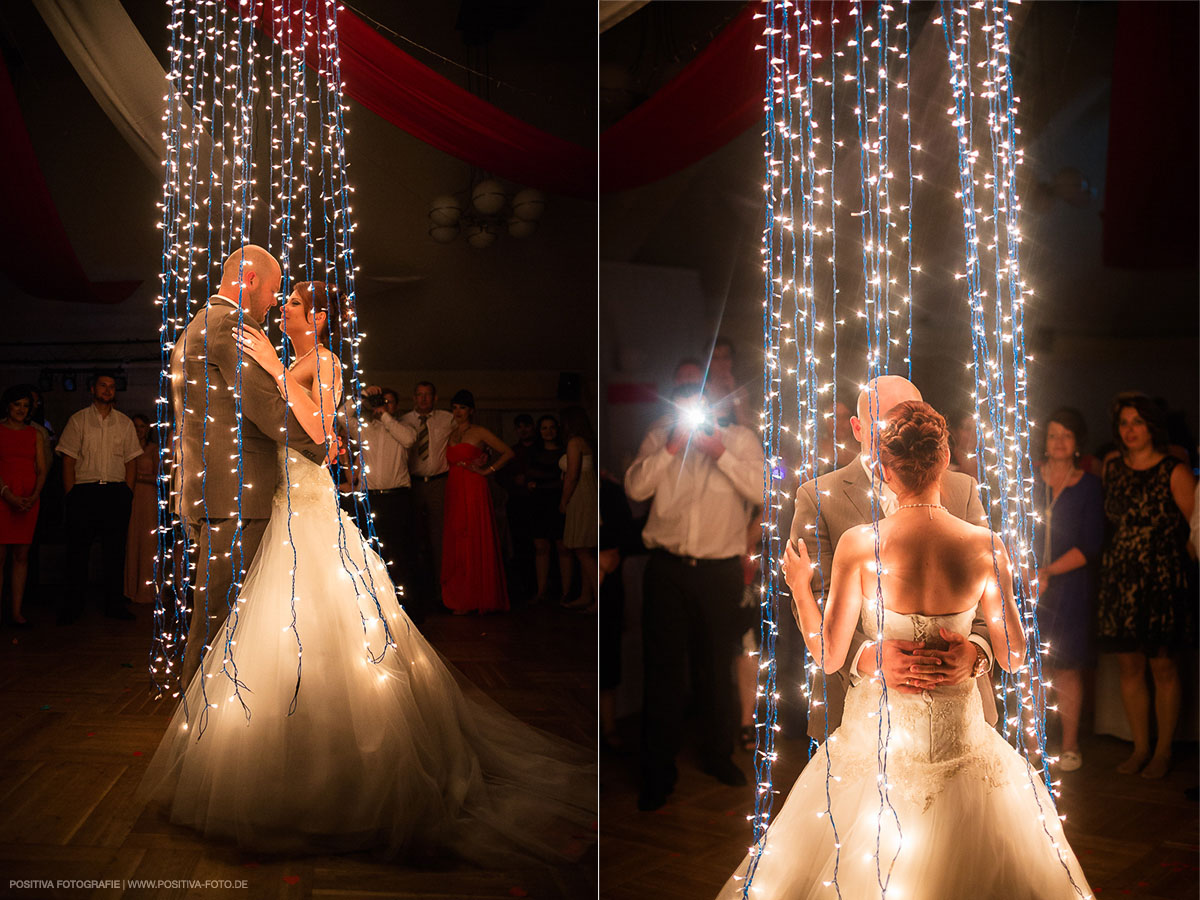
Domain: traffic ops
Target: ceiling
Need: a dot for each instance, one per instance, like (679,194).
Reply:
(519,305)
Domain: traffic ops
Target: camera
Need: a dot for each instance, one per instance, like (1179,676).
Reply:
(374,400)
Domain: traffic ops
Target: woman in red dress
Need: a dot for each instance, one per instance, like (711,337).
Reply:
(22,474)
(472,573)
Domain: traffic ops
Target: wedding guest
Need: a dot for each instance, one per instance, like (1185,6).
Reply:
(729,398)
(522,573)
(49,515)
(141,541)
(472,573)
(1068,541)
(1146,605)
(543,480)
(619,537)
(703,482)
(428,468)
(578,504)
(99,447)
(963,441)
(22,474)
(385,447)
(746,666)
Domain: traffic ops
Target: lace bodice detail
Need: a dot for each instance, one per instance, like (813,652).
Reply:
(303,483)
(931,736)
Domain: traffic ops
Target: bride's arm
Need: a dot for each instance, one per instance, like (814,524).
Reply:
(827,636)
(1001,612)
(316,411)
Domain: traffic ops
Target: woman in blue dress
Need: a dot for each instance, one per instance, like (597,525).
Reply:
(1068,541)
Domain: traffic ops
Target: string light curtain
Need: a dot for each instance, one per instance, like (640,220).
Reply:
(262,160)
(839,148)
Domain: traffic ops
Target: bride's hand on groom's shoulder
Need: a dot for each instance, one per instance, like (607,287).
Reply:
(255,345)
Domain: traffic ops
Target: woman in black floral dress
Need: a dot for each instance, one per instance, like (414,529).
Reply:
(1146,603)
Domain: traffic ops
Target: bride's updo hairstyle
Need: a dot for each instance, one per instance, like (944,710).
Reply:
(914,444)
(320,297)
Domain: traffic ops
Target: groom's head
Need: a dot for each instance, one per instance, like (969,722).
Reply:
(875,398)
(252,275)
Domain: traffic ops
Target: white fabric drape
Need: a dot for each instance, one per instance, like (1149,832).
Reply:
(117,66)
(614,11)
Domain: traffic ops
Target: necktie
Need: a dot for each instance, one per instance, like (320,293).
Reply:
(423,439)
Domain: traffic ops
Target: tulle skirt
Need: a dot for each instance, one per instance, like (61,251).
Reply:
(966,819)
(347,730)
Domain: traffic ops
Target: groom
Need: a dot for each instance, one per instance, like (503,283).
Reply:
(845,502)
(206,386)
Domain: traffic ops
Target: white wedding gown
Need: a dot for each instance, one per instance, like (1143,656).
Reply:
(973,821)
(383,750)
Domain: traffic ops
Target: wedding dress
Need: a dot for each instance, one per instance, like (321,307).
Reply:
(965,818)
(377,746)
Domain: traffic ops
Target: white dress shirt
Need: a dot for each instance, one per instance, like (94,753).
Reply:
(701,506)
(385,450)
(440,424)
(887,507)
(100,445)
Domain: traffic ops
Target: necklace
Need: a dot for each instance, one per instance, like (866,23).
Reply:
(931,507)
(300,359)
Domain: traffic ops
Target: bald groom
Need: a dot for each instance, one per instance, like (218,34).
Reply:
(845,502)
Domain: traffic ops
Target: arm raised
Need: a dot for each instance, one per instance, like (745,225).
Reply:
(1000,610)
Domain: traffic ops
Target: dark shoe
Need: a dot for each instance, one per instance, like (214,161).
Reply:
(726,772)
(653,796)
(748,737)
(118,612)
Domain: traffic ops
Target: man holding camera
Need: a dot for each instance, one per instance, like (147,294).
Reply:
(704,478)
(385,446)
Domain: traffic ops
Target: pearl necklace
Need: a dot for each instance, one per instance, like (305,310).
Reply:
(931,506)
(300,359)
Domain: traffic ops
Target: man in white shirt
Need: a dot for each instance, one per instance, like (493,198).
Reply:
(844,501)
(98,449)
(385,445)
(704,480)
(427,468)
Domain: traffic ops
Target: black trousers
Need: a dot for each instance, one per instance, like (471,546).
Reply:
(689,631)
(96,511)
(429,501)
(394,527)
(214,581)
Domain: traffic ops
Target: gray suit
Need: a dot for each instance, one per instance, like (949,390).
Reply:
(845,504)
(204,375)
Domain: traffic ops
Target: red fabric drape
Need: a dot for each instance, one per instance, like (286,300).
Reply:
(35,252)
(433,109)
(713,100)
(1151,181)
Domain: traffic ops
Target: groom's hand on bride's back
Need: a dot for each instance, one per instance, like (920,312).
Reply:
(954,664)
(899,666)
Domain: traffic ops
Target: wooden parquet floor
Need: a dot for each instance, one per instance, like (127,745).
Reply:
(1134,838)
(78,726)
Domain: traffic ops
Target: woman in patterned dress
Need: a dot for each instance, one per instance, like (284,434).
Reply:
(1146,602)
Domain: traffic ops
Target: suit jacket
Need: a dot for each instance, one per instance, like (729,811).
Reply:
(204,375)
(845,504)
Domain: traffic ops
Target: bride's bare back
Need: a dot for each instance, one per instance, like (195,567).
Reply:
(932,566)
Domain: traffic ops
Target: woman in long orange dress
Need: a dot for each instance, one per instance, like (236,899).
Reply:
(472,571)
(22,475)
(142,541)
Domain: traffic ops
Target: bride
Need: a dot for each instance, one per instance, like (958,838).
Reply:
(329,724)
(963,815)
